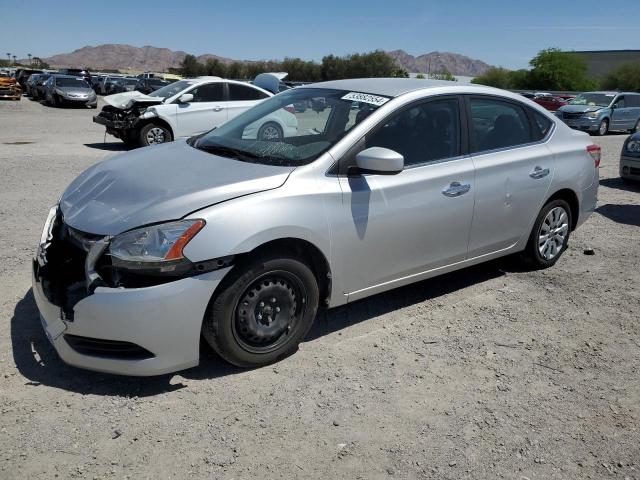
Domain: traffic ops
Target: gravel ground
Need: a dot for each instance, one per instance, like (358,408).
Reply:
(490,372)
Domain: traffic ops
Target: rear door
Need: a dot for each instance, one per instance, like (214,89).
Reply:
(393,227)
(241,98)
(205,111)
(514,168)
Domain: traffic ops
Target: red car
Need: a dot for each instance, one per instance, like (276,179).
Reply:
(549,102)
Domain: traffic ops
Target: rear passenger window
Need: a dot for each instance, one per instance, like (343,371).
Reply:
(498,124)
(541,126)
(240,92)
(423,133)
(633,101)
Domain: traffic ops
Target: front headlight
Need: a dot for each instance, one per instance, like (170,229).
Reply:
(156,248)
(591,115)
(633,146)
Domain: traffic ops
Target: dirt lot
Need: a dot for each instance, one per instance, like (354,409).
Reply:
(491,372)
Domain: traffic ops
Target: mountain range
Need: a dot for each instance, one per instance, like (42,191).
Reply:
(147,58)
(436,62)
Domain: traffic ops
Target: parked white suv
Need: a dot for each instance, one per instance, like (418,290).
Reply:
(186,108)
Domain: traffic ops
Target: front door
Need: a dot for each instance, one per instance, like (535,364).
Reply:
(393,227)
(205,111)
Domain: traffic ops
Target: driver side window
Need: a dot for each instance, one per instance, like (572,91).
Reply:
(620,103)
(423,133)
(211,92)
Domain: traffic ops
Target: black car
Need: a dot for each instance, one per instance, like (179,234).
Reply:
(23,74)
(149,85)
(38,89)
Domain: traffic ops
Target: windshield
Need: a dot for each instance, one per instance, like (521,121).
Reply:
(172,89)
(292,128)
(593,99)
(71,82)
(131,81)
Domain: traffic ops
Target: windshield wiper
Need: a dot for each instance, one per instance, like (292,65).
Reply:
(226,151)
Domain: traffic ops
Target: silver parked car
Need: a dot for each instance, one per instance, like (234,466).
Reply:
(64,89)
(602,112)
(386,182)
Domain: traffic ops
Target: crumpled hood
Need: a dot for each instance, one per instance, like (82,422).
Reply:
(126,100)
(580,108)
(157,184)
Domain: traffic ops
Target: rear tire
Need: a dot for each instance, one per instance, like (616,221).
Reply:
(152,134)
(550,235)
(263,310)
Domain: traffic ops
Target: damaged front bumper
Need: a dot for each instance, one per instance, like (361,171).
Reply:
(129,331)
(120,124)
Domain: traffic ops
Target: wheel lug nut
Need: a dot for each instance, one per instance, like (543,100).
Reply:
(277,309)
(259,317)
(273,300)
(262,304)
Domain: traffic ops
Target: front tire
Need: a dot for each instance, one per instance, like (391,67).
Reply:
(550,235)
(152,134)
(263,310)
(635,129)
(270,132)
(603,128)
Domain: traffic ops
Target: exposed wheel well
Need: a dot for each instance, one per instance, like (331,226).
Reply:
(571,198)
(306,251)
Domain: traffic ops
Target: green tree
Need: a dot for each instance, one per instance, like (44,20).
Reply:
(557,70)
(443,75)
(400,73)
(495,77)
(215,68)
(190,67)
(420,76)
(626,77)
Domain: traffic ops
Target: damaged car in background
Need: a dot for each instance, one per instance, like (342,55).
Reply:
(186,108)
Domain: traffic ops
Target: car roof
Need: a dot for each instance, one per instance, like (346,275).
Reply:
(394,87)
(613,92)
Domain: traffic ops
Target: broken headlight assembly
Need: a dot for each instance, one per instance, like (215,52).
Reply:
(155,249)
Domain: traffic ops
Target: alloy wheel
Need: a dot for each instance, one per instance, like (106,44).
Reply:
(603,127)
(553,233)
(270,132)
(155,136)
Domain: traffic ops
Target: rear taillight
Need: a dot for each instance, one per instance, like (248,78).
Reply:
(290,109)
(594,151)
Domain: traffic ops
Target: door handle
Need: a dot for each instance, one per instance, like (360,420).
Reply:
(217,108)
(456,189)
(539,172)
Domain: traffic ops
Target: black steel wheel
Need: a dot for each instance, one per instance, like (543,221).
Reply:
(262,311)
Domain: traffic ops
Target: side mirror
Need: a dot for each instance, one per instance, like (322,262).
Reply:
(186,98)
(379,160)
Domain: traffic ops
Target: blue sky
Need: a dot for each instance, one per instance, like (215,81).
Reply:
(506,33)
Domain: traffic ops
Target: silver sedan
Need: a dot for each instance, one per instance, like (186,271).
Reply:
(240,239)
